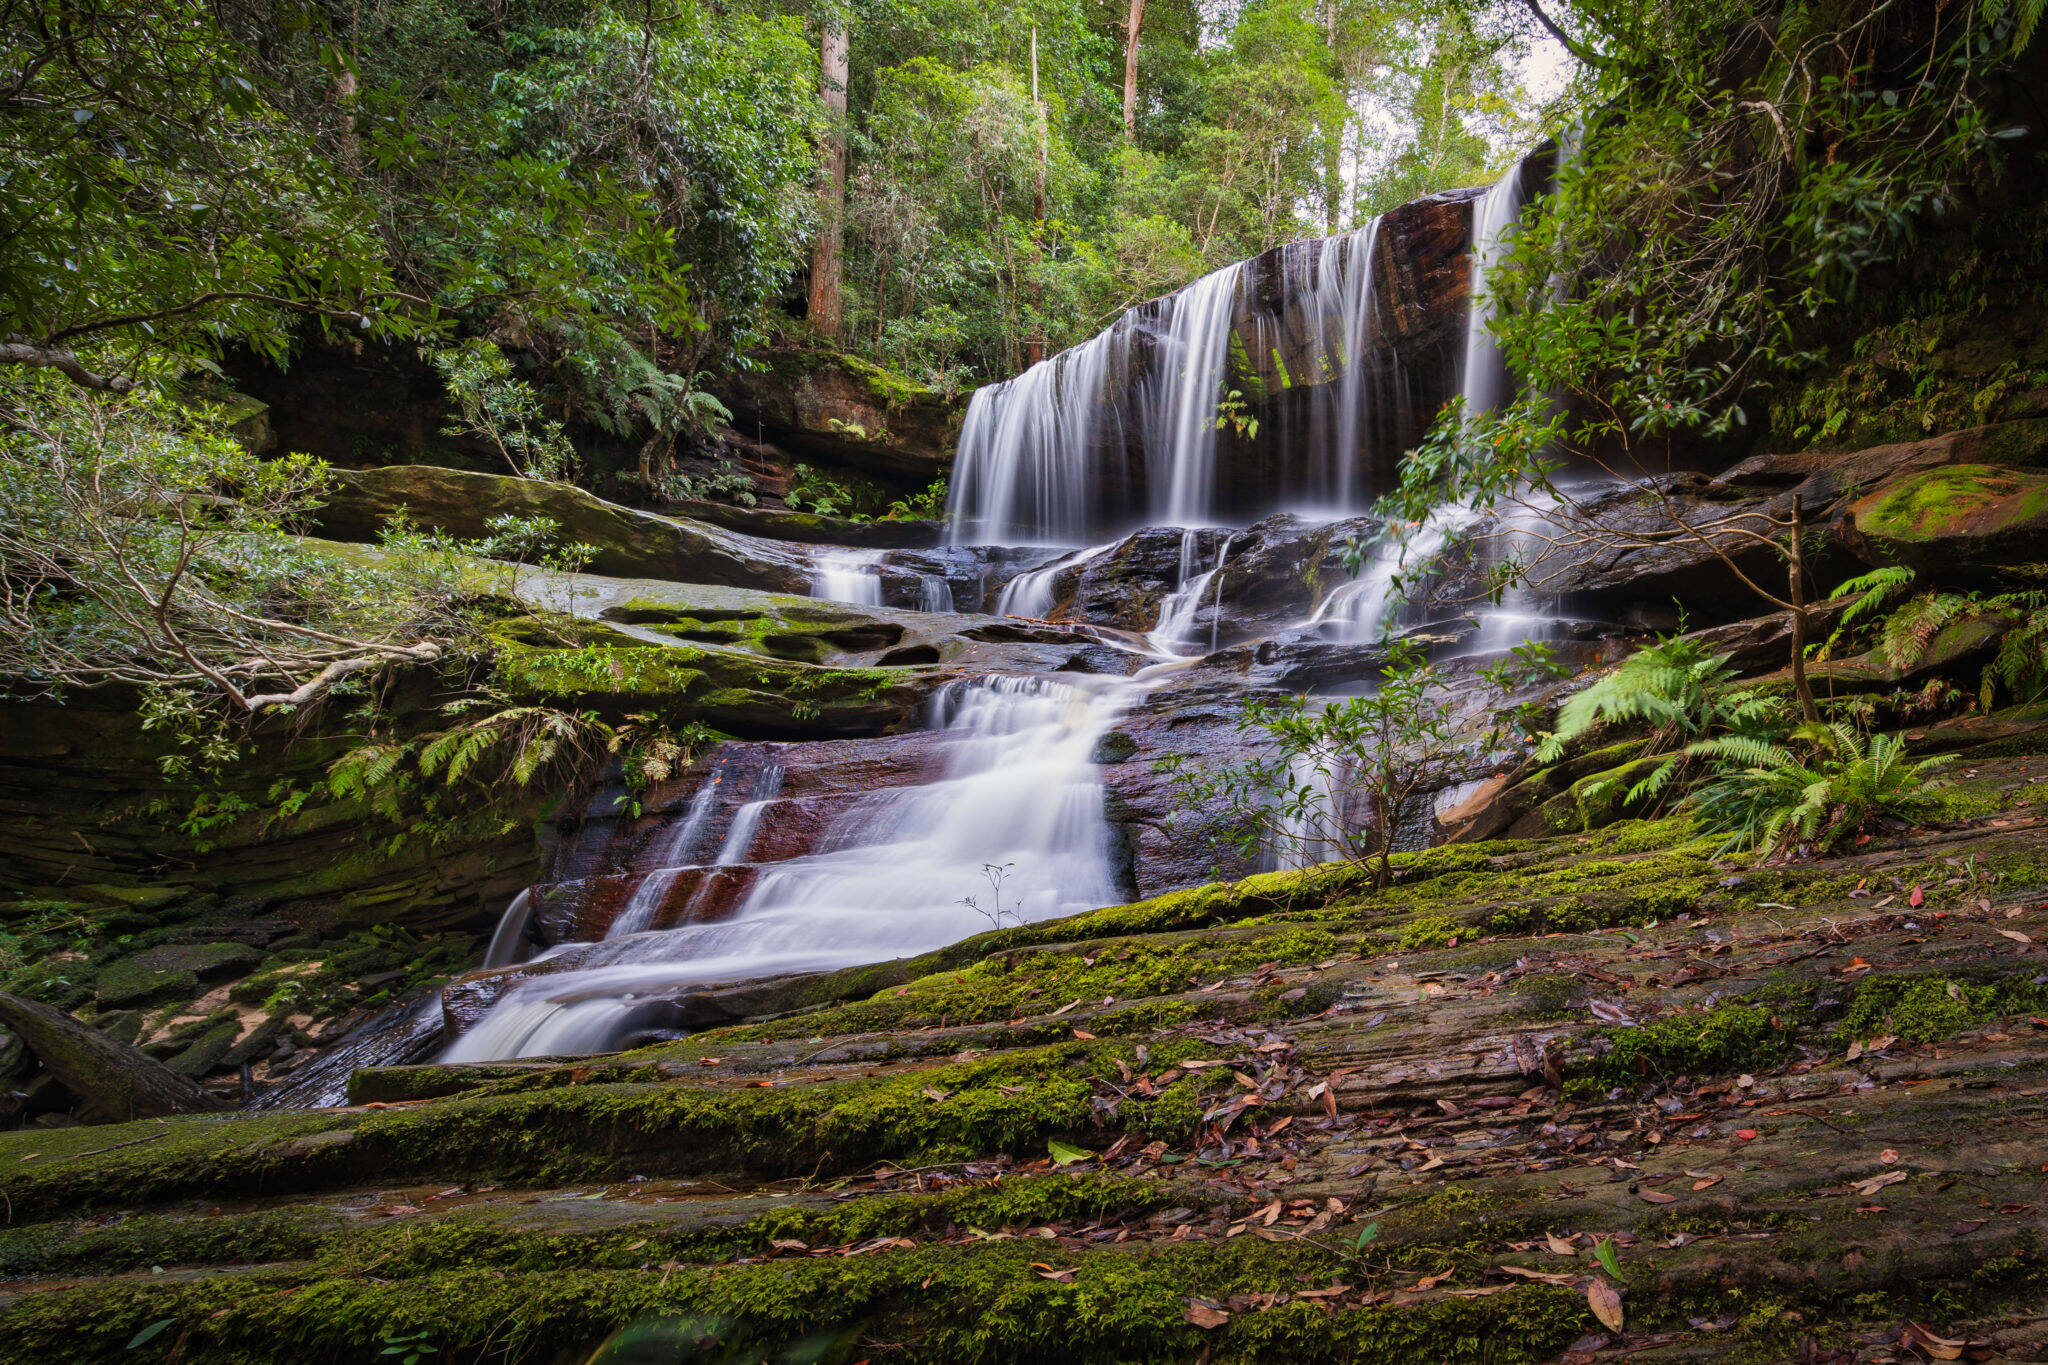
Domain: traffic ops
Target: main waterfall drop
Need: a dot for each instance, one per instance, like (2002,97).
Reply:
(1339,350)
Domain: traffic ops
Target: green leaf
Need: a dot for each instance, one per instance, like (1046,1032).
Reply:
(1066,1154)
(149,1333)
(1603,1251)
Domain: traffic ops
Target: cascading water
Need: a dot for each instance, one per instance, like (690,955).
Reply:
(1485,376)
(889,878)
(1174,632)
(850,576)
(508,940)
(1031,593)
(1045,459)
(1360,610)
(1120,429)
(666,861)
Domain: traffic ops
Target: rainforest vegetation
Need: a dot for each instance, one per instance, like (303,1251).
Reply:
(837,680)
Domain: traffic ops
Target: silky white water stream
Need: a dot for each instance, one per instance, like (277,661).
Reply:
(890,877)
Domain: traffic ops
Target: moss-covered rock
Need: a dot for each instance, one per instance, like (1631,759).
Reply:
(1978,518)
(172,972)
(628,543)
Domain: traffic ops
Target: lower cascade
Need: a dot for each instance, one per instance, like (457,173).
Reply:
(1011,832)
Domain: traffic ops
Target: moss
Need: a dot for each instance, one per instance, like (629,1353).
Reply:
(1011,1102)
(1929,1008)
(1427,931)
(1732,1038)
(147,1239)
(172,972)
(1018,982)
(1953,500)
(941,1302)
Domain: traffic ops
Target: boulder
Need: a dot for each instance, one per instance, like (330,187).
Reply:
(1822,474)
(826,404)
(115,1081)
(1763,643)
(629,542)
(1957,518)
(1598,570)
(1128,586)
(779,523)
(1278,571)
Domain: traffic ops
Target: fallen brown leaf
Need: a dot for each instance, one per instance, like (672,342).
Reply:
(1605,1301)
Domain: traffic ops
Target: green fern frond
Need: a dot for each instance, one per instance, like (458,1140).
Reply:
(1873,590)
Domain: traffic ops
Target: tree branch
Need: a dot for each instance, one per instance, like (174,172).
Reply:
(17,350)
(1571,45)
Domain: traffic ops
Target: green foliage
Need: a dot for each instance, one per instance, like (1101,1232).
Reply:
(1826,785)
(496,407)
(1669,686)
(1332,778)
(425,784)
(1903,634)
(821,494)
(727,482)
(144,545)
(929,505)
(1742,192)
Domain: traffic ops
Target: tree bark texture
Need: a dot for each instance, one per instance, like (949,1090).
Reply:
(1131,27)
(825,251)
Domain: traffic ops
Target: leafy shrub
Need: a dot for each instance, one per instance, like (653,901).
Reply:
(929,505)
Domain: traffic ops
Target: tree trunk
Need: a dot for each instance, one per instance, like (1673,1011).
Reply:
(1034,343)
(825,251)
(1333,149)
(1131,26)
(1802,686)
(115,1081)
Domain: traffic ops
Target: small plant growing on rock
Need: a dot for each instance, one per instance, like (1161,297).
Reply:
(929,505)
(496,407)
(995,912)
(1335,777)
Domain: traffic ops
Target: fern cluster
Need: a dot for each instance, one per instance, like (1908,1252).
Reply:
(1678,688)
(1834,785)
(1904,632)
(1768,785)
(417,782)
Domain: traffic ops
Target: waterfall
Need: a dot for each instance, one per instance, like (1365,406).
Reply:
(934,594)
(666,860)
(747,819)
(890,877)
(1360,610)
(1030,447)
(1485,375)
(1039,454)
(1031,593)
(1047,457)
(1177,612)
(1178,400)
(506,940)
(851,576)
